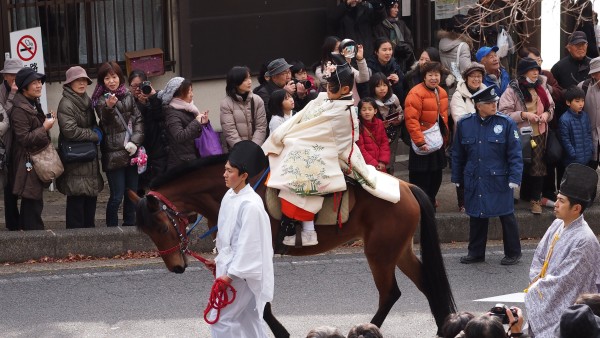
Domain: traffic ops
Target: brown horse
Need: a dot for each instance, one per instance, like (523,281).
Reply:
(387,230)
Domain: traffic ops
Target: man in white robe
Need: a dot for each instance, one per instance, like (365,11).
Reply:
(566,261)
(245,258)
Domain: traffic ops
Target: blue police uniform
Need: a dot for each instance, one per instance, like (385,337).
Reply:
(486,157)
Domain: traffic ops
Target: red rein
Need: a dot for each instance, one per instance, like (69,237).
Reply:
(219,298)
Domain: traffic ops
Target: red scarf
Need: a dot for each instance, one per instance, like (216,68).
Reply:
(524,86)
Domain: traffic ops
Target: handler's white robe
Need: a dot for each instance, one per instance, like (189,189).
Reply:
(308,152)
(573,269)
(245,255)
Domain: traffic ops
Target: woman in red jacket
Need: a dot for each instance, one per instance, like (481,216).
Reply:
(372,142)
(427,105)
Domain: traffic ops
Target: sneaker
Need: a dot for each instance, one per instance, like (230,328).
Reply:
(536,208)
(547,202)
(308,238)
(471,259)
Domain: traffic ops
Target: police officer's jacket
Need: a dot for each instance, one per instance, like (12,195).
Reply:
(486,157)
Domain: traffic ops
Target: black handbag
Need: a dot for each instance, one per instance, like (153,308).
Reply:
(554,149)
(73,151)
(526,147)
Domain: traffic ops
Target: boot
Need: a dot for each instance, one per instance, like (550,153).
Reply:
(536,207)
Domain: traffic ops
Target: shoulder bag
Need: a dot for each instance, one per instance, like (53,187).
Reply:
(208,143)
(433,135)
(554,149)
(78,151)
(140,158)
(46,163)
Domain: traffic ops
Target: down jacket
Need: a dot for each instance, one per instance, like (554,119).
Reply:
(114,155)
(512,105)
(236,119)
(421,111)
(27,122)
(461,103)
(576,137)
(373,142)
(76,119)
(182,130)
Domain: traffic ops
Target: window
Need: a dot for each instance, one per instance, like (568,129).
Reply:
(90,32)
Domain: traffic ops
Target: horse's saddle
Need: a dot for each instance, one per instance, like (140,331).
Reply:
(328,215)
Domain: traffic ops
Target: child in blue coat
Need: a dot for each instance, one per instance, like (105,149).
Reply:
(575,129)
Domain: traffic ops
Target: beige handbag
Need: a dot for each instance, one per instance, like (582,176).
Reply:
(47,164)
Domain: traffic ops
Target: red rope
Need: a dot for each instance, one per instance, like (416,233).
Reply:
(219,299)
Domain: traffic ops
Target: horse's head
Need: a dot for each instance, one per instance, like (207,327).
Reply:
(163,230)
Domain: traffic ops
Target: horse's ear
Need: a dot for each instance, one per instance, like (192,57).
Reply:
(133,196)
(152,203)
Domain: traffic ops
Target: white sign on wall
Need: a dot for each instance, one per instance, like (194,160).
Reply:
(27,45)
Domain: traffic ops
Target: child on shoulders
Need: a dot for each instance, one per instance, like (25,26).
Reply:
(372,142)
(575,129)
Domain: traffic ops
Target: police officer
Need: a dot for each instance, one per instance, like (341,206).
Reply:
(487,161)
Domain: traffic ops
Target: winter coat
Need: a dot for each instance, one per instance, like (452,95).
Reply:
(448,48)
(30,136)
(421,111)
(264,92)
(412,77)
(356,22)
(486,157)
(6,96)
(576,137)
(182,131)
(502,85)
(6,134)
(403,45)
(461,103)
(373,142)
(4,129)
(155,137)
(239,122)
(592,104)
(391,67)
(569,72)
(512,105)
(114,155)
(76,120)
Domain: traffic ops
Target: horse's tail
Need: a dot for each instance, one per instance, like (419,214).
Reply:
(433,272)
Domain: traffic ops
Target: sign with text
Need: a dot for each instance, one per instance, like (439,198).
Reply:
(26,45)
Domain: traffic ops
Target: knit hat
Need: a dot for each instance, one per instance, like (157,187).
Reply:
(473,67)
(27,75)
(12,66)
(166,95)
(277,66)
(594,66)
(486,95)
(75,73)
(578,321)
(579,182)
(248,157)
(525,64)
(484,51)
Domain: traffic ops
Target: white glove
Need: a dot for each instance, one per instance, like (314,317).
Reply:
(513,185)
(131,148)
(457,184)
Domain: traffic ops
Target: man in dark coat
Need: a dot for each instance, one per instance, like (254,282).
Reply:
(354,19)
(487,161)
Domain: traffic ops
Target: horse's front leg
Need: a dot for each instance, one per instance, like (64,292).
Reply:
(278,330)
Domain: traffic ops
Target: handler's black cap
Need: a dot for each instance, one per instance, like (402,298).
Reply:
(578,321)
(579,182)
(486,95)
(248,157)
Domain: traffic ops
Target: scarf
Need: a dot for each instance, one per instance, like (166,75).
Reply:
(524,87)
(100,90)
(395,35)
(179,104)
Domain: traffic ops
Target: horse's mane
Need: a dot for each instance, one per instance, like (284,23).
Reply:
(186,168)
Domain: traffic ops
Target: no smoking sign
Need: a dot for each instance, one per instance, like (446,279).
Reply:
(26,48)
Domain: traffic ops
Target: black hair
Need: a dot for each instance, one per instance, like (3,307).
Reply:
(343,75)
(485,327)
(135,74)
(183,89)
(525,51)
(380,41)
(434,54)
(592,300)
(375,80)
(276,102)
(456,322)
(432,66)
(241,170)
(327,48)
(574,92)
(575,201)
(235,77)
(261,73)
(370,101)
(297,66)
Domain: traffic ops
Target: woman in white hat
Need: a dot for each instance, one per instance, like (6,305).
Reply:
(81,181)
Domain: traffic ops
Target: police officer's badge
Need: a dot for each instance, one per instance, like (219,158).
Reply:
(498,129)
(516,135)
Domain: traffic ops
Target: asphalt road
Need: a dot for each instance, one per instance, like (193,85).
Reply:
(139,298)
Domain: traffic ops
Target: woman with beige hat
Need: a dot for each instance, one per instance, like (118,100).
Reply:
(81,181)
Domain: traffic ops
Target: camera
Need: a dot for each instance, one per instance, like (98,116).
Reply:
(49,115)
(146,87)
(500,311)
(527,130)
(106,95)
(306,83)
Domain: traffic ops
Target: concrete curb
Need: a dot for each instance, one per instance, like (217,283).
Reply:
(109,242)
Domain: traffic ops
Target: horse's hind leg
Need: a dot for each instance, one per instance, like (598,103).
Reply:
(410,265)
(278,330)
(383,270)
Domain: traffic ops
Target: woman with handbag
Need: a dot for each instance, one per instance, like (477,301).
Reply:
(122,125)
(243,115)
(78,139)
(31,135)
(183,120)
(529,103)
(426,119)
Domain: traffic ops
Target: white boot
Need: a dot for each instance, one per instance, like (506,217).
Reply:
(308,238)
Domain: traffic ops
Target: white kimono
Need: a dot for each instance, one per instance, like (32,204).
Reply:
(245,255)
(308,152)
(573,269)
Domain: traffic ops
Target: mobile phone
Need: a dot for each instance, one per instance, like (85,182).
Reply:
(49,115)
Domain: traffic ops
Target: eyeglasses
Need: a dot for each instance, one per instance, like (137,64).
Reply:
(475,77)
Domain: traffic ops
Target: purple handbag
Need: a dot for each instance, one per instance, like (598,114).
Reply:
(208,143)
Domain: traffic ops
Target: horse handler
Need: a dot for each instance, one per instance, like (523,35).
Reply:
(245,259)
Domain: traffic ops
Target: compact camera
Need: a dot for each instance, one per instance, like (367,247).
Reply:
(500,311)
(146,87)
(306,83)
